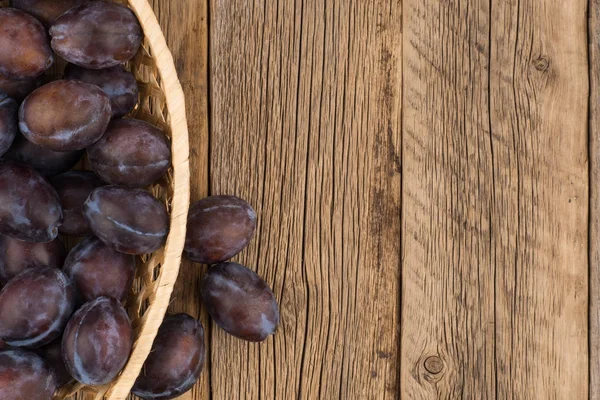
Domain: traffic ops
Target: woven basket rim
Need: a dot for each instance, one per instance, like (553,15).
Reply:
(175,100)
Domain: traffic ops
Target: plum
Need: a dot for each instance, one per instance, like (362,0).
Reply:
(131,153)
(218,228)
(97,34)
(99,270)
(240,302)
(30,209)
(35,307)
(65,115)
(25,376)
(17,256)
(130,220)
(24,47)
(97,341)
(175,361)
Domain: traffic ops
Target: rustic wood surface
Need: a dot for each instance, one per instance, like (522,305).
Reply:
(594,59)
(495,200)
(420,172)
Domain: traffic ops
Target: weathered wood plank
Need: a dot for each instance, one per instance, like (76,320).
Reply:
(594,131)
(305,112)
(495,200)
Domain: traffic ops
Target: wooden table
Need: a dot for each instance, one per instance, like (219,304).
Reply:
(421,170)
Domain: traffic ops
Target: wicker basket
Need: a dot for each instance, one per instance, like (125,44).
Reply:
(161,103)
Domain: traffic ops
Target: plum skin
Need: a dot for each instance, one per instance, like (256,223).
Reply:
(240,301)
(99,270)
(20,33)
(45,161)
(97,341)
(20,186)
(17,256)
(25,375)
(130,220)
(131,153)
(218,228)
(25,320)
(73,188)
(52,354)
(175,361)
(9,110)
(120,85)
(65,115)
(97,34)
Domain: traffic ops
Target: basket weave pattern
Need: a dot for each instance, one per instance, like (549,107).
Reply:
(161,102)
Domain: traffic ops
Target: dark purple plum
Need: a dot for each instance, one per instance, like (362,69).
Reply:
(130,220)
(35,307)
(73,188)
(25,376)
(65,115)
(120,85)
(9,121)
(52,354)
(30,209)
(240,302)
(99,270)
(47,11)
(24,47)
(18,89)
(175,362)
(97,341)
(97,35)
(131,153)
(45,161)
(17,256)
(218,228)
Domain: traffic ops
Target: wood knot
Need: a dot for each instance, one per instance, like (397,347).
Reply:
(434,365)
(542,63)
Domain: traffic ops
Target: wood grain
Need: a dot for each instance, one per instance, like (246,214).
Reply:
(594,131)
(495,200)
(306,113)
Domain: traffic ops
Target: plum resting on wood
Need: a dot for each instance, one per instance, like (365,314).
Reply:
(240,302)
(218,228)
(175,361)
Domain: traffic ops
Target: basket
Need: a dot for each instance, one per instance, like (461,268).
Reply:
(161,103)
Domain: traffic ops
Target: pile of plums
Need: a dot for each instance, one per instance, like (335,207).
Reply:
(62,316)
